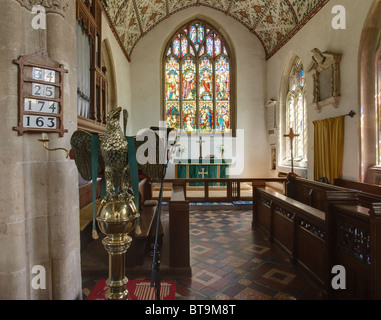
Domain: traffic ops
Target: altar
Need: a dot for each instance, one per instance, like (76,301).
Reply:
(203,169)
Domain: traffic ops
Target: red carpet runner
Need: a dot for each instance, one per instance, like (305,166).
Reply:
(138,289)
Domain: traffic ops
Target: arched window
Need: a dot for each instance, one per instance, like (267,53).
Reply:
(295,112)
(198,78)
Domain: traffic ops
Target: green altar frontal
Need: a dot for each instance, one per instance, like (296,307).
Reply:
(203,169)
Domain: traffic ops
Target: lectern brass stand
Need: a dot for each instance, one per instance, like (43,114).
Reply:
(116,219)
(115,155)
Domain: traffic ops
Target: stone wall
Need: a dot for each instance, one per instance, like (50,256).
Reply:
(39,210)
(318,33)
(146,72)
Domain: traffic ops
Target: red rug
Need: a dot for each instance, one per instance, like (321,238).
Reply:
(138,289)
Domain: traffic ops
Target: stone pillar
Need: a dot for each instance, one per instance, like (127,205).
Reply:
(63,199)
(39,206)
(368,48)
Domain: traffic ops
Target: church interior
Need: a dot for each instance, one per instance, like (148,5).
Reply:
(267,118)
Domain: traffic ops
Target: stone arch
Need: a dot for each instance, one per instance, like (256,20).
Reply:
(108,63)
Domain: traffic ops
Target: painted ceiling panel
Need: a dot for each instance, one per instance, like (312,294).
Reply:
(274,22)
(276,25)
(248,13)
(177,5)
(151,12)
(113,7)
(221,5)
(126,25)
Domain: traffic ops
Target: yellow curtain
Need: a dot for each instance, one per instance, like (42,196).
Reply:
(328,148)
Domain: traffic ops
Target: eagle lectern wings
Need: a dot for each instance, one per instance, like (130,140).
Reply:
(113,155)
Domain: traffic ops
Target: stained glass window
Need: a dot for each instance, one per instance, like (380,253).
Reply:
(172,92)
(295,115)
(198,80)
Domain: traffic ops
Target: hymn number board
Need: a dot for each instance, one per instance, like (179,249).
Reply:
(40,94)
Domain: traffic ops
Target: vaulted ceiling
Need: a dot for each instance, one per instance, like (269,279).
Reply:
(274,22)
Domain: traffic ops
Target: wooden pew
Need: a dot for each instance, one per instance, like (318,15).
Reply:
(354,242)
(86,194)
(360,186)
(141,243)
(312,193)
(179,236)
(321,226)
(367,193)
(298,228)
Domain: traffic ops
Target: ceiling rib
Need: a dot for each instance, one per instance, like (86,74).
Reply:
(138,18)
(292,11)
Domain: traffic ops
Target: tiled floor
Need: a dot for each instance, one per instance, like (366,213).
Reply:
(231,261)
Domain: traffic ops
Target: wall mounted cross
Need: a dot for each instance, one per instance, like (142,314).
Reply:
(291,135)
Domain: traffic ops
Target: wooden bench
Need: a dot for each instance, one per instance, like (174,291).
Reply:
(141,243)
(354,243)
(86,212)
(320,226)
(298,228)
(179,233)
(313,193)
(360,186)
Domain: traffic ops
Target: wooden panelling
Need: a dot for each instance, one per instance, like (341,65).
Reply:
(361,186)
(298,228)
(283,227)
(86,194)
(346,232)
(179,237)
(264,214)
(310,251)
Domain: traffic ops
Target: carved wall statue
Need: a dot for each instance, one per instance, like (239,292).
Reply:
(51,6)
(325,69)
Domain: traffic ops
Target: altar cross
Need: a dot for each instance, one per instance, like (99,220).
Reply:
(291,135)
(200,142)
(203,173)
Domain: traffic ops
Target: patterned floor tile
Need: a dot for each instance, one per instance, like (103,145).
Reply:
(283,296)
(251,294)
(279,276)
(197,232)
(206,278)
(234,261)
(223,239)
(231,261)
(199,249)
(245,282)
(222,296)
